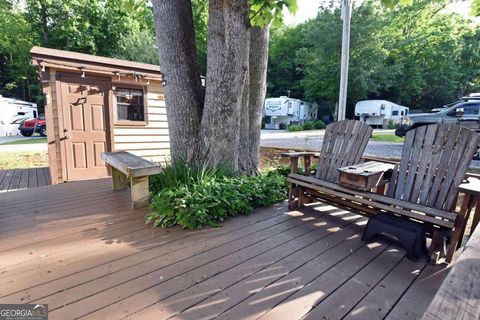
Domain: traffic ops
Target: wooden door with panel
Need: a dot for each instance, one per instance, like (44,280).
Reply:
(85,126)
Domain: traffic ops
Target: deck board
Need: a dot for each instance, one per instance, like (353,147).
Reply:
(87,255)
(19,179)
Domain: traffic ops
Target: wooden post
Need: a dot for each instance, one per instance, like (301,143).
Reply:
(292,189)
(459,227)
(307,164)
(119,180)
(301,197)
(140,192)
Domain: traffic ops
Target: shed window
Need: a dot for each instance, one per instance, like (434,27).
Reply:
(130,105)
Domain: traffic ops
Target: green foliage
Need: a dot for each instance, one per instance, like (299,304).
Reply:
(17,76)
(308,125)
(141,47)
(476,7)
(262,12)
(319,124)
(181,173)
(417,55)
(386,137)
(391,125)
(112,28)
(211,200)
(294,127)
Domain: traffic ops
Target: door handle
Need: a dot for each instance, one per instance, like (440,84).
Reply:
(67,136)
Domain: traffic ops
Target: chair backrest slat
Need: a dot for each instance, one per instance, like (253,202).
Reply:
(434,161)
(343,144)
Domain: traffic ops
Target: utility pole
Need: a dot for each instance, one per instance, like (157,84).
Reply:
(342,99)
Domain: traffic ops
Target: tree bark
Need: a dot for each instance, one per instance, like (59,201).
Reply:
(227,66)
(258,60)
(184,94)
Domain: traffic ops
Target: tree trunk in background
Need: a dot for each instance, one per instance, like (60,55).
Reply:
(244,161)
(227,66)
(258,88)
(184,94)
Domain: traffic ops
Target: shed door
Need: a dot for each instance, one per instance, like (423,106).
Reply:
(85,126)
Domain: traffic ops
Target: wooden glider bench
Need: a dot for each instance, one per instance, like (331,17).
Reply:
(126,165)
(424,186)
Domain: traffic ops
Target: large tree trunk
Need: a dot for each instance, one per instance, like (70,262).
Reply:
(258,87)
(184,94)
(227,66)
(252,102)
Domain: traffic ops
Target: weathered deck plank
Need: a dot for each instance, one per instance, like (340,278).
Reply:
(86,254)
(18,179)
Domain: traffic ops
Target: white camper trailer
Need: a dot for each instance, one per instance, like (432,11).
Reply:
(378,113)
(283,111)
(12,113)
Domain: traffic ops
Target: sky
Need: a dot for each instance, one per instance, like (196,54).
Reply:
(307,9)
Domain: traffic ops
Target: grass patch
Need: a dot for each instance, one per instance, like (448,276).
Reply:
(386,137)
(24,160)
(27,141)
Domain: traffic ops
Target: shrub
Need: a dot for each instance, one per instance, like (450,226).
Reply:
(282,126)
(181,173)
(295,127)
(319,124)
(210,200)
(308,125)
(391,125)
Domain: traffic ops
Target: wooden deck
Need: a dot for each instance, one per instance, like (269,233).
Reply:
(17,179)
(80,249)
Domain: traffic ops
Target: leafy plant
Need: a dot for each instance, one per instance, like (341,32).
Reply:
(295,127)
(211,200)
(319,124)
(308,125)
(181,173)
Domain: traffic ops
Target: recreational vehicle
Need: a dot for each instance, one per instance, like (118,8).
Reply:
(283,111)
(14,112)
(378,113)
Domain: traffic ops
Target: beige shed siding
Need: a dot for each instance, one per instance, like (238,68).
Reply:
(150,141)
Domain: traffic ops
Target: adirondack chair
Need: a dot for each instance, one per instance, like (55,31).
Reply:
(343,145)
(423,187)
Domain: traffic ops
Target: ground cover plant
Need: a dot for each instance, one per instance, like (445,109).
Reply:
(194,197)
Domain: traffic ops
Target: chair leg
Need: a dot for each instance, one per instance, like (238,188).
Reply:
(437,240)
(458,228)
(457,232)
(301,197)
(292,202)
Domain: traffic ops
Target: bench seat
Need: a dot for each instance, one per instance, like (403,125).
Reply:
(129,166)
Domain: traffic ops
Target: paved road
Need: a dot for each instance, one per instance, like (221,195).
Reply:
(313,140)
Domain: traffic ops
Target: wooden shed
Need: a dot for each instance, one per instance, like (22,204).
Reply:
(95,104)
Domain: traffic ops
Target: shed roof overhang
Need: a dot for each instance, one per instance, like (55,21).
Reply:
(86,63)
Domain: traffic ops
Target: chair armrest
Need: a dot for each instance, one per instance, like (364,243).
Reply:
(294,160)
(298,154)
(471,186)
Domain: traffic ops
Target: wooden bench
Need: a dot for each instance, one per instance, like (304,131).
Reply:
(424,187)
(126,165)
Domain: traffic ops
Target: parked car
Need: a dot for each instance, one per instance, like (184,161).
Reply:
(29,127)
(464,113)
